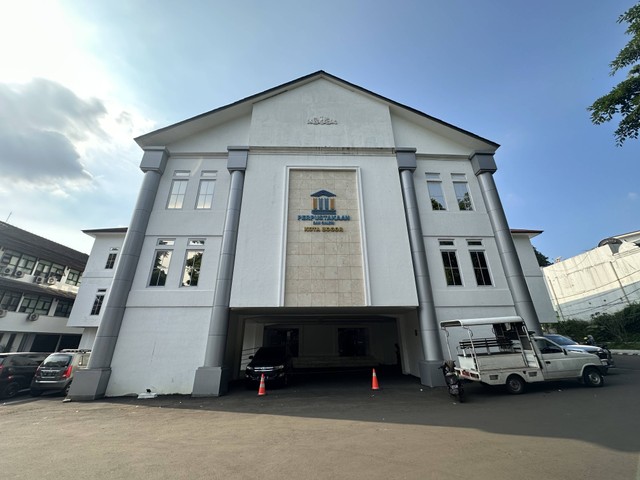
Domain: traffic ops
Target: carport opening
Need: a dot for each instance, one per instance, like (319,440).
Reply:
(328,348)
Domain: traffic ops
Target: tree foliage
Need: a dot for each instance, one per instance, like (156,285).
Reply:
(624,98)
(618,328)
(543,260)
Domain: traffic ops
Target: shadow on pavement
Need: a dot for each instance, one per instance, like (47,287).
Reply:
(606,416)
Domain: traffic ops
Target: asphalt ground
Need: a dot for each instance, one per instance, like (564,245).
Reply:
(334,427)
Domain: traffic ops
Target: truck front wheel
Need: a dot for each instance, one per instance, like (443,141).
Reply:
(593,378)
(515,384)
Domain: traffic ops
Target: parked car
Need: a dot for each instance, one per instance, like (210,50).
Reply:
(568,344)
(16,371)
(274,362)
(57,371)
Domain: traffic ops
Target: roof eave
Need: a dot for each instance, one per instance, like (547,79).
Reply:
(155,137)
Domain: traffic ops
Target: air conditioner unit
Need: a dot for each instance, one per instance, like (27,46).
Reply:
(51,280)
(3,312)
(7,270)
(19,273)
(38,280)
(32,317)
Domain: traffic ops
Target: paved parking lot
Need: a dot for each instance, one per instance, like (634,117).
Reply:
(328,427)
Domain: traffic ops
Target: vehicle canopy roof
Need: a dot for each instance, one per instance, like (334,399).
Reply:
(470,322)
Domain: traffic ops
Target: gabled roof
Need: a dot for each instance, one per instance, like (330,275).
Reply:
(323,193)
(190,126)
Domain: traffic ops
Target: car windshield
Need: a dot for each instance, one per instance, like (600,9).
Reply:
(560,340)
(270,353)
(57,360)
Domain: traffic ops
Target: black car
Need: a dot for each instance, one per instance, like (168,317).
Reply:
(568,344)
(16,371)
(273,362)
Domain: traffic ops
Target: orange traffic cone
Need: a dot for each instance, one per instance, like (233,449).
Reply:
(374,381)
(262,390)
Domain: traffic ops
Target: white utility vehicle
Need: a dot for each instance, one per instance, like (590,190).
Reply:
(508,354)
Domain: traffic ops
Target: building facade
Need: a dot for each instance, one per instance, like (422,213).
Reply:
(96,282)
(318,215)
(39,280)
(604,279)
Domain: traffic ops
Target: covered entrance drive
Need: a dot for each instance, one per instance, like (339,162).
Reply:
(320,342)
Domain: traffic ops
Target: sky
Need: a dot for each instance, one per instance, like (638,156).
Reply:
(80,80)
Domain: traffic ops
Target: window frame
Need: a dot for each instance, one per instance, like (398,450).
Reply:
(483,271)
(452,273)
(186,269)
(74,277)
(460,179)
(437,204)
(98,301)
(207,177)
(10,300)
(160,269)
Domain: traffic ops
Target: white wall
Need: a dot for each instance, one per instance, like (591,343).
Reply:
(94,278)
(283,120)
(535,279)
(258,273)
(597,281)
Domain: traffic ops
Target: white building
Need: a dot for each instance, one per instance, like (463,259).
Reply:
(38,284)
(602,280)
(96,282)
(318,214)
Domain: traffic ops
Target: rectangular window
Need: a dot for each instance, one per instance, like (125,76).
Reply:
(191,272)
(73,277)
(160,268)
(462,191)
(178,191)
(57,271)
(166,241)
(97,302)
(451,269)
(12,262)
(434,185)
(111,261)
(35,304)
(205,194)
(63,309)
(480,269)
(9,300)
(42,268)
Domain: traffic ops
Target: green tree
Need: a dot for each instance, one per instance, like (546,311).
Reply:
(624,98)
(543,260)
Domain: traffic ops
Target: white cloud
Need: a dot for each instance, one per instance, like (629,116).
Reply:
(40,124)
(633,196)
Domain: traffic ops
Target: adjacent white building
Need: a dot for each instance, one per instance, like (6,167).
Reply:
(96,282)
(604,279)
(316,214)
(38,284)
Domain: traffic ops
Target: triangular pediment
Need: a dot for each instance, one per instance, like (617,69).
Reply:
(319,110)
